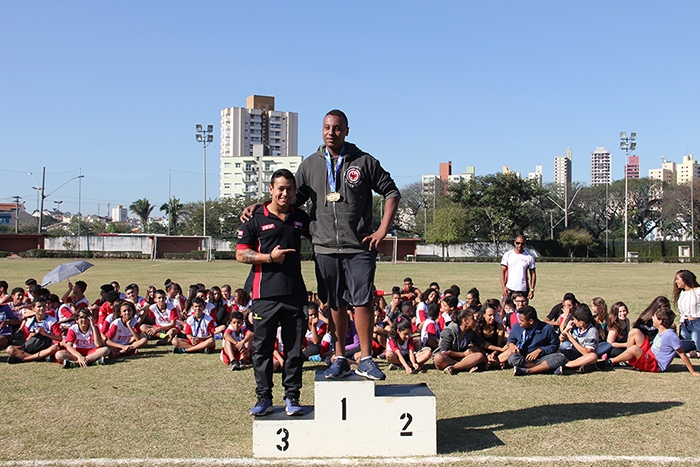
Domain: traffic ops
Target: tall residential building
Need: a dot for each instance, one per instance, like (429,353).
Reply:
(446,176)
(119,213)
(562,171)
(536,175)
(667,172)
(687,169)
(600,167)
(256,141)
(632,167)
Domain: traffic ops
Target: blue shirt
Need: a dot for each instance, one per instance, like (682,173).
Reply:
(541,336)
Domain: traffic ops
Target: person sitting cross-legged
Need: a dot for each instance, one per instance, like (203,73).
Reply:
(533,345)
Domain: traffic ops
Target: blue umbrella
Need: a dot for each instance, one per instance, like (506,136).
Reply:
(64,271)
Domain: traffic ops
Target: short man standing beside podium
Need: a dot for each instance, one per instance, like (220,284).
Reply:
(271,242)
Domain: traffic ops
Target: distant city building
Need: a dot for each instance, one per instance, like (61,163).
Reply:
(536,175)
(562,171)
(506,170)
(119,213)
(446,176)
(600,167)
(667,172)
(256,141)
(687,169)
(632,167)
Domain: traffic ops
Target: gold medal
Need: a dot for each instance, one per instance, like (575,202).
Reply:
(333,197)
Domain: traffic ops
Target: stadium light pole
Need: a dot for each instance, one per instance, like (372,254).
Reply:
(627,144)
(205,137)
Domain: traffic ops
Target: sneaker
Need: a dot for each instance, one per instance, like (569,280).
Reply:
(68,364)
(292,407)
(178,350)
(393,367)
(100,361)
(604,364)
(519,371)
(12,359)
(368,369)
(315,358)
(340,368)
(234,366)
(449,371)
(207,351)
(241,364)
(163,339)
(560,370)
(262,407)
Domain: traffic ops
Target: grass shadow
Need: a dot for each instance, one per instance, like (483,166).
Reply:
(478,432)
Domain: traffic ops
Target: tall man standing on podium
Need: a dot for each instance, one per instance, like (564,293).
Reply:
(339,179)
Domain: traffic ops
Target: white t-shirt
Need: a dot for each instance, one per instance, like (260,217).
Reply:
(518,265)
(689,304)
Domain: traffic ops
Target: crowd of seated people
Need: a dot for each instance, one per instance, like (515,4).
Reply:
(412,328)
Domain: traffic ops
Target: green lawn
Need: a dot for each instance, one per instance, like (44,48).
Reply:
(191,406)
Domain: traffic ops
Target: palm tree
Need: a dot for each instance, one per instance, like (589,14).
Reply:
(173,208)
(142,208)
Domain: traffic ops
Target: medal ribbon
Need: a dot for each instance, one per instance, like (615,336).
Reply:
(333,176)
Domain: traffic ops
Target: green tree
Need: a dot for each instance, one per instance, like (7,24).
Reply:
(173,209)
(449,226)
(142,208)
(575,238)
(118,227)
(498,205)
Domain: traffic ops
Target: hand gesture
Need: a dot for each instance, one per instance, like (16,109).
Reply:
(374,239)
(278,254)
(247,213)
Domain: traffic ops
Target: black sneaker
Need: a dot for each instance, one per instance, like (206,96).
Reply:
(241,364)
(604,364)
(12,359)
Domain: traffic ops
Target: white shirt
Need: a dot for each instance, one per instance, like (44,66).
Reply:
(518,265)
(689,304)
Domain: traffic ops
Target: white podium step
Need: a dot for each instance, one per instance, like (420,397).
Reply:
(353,417)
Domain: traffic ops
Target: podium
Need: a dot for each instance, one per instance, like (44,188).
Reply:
(352,417)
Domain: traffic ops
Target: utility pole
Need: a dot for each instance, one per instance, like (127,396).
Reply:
(17,198)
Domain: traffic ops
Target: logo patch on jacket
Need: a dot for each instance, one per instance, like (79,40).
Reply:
(353,175)
(298,225)
(267,227)
(240,234)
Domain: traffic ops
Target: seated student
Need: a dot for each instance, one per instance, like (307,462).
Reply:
(448,307)
(315,330)
(507,313)
(569,302)
(579,340)
(124,335)
(618,328)
(18,305)
(105,310)
(132,295)
(429,296)
(218,309)
(409,293)
(42,335)
(28,298)
(117,288)
(393,308)
(4,293)
(400,351)
(174,298)
(83,343)
(494,335)
(533,346)
(199,329)
(75,295)
(460,345)
(162,320)
(430,331)
(473,300)
(8,322)
(600,312)
(238,345)
(95,307)
(654,356)
(520,300)
(380,333)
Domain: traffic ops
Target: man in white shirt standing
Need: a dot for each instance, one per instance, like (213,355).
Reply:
(518,270)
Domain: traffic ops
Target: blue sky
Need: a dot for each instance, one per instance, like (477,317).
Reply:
(116,88)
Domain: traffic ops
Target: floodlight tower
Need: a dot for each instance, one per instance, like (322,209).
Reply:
(205,137)
(627,144)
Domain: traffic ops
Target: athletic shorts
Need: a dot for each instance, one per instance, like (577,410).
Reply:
(86,352)
(346,279)
(647,361)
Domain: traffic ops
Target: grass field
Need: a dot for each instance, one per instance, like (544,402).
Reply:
(161,405)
